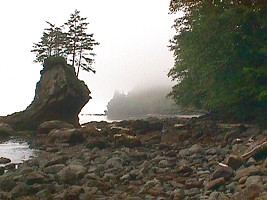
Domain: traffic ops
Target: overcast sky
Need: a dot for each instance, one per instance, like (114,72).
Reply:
(133,37)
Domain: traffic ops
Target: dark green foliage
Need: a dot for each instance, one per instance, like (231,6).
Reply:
(74,45)
(79,43)
(52,43)
(220,57)
(54,61)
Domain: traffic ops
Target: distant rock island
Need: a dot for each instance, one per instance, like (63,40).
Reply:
(59,95)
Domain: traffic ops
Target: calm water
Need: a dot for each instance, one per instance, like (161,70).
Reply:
(84,118)
(17,150)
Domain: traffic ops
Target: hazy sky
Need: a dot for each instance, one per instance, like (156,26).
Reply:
(133,37)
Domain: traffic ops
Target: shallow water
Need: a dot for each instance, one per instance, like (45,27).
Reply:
(84,118)
(17,150)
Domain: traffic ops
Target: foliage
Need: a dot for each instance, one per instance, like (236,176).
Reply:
(74,45)
(137,103)
(52,43)
(220,57)
(79,43)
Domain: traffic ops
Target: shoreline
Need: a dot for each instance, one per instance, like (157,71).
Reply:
(170,158)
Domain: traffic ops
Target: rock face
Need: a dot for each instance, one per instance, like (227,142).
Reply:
(59,95)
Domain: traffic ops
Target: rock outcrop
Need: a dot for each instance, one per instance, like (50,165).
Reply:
(59,95)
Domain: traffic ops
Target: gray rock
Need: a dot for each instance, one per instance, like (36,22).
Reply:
(6,130)
(235,162)
(65,135)
(37,177)
(233,187)
(19,190)
(44,194)
(114,162)
(53,169)
(179,193)
(251,161)
(222,171)
(249,171)
(164,163)
(4,160)
(217,196)
(100,160)
(196,148)
(253,190)
(192,192)
(6,182)
(239,196)
(57,160)
(46,127)
(72,173)
(184,152)
(211,151)
(254,179)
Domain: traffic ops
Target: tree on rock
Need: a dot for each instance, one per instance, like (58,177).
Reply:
(52,43)
(79,43)
(75,45)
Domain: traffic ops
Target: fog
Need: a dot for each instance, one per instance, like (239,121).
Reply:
(133,37)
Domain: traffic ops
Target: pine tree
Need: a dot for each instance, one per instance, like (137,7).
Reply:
(79,43)
(75,44)
(52,43)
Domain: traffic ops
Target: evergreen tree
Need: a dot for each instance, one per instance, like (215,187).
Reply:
(75,44)
(220,57)
(52,43)
(79,43)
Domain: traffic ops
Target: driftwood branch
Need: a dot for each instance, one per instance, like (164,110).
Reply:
(256,150)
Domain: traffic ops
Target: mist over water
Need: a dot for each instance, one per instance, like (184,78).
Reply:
(133,48)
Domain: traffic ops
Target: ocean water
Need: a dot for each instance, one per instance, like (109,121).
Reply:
(84,118)
(16,150)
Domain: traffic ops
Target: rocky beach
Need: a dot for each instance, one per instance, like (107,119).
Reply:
(168,158)
(171,158)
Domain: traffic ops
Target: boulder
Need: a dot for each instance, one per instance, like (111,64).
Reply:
(257,152)
(7,182)
(37,177)
(223,171)
(65,135)
(97,143)
(4,160)
(249,171)
(59,95)
(46,127)
(127,140)
(72,173)
(253,190)
(2,170)
(235,161)
(6,130)
(74,192)
(215,183)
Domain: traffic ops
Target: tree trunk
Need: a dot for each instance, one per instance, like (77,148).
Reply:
(79,63)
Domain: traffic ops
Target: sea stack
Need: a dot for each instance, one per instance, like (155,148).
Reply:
(59,95)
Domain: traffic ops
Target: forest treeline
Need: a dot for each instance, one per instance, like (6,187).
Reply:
(141,102)
(220,56)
